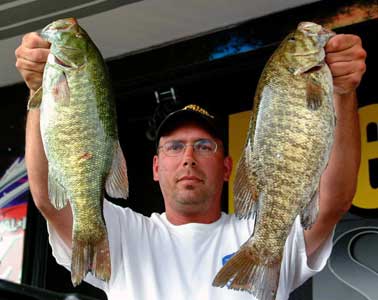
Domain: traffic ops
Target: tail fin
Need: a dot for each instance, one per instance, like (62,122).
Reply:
(244,271)
(91,256)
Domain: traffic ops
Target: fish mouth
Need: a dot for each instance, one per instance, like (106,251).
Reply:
(61,25)
(313,28)
(326,31)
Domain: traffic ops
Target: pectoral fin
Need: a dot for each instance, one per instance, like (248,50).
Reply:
(117,183)
(245,186)
(61,90)
(314,95)
(57,193)
(310,212)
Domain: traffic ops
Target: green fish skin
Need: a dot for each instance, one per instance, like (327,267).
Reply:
(289,140)
(80,139)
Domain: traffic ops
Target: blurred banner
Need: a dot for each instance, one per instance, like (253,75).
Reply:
(366,197)
(352,270)
(14,193)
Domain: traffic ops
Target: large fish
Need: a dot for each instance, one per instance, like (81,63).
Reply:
(289,140)
(80,139)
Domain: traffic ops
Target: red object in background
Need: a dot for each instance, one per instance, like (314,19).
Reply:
(13,211)
(12,232)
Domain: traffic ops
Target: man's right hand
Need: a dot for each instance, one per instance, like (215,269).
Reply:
(31,59)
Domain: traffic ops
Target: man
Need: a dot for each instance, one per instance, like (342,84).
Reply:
(177,254)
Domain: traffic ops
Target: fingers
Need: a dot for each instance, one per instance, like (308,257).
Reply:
(25,64)
(34,40)
(33,48)
(38,55)
(32,73)
(31,57)
(345,57)
(344,48)
(343,68)
(342,41)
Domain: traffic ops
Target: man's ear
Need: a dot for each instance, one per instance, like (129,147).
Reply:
(155,168)
(228,167)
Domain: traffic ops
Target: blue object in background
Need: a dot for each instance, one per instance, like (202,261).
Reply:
(236,45)
(14,185)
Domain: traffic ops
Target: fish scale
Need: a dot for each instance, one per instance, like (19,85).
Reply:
(288,145)
(79,135)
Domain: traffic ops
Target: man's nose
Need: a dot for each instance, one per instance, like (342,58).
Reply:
(189,156)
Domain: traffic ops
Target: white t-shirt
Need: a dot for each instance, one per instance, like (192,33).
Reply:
(153,259)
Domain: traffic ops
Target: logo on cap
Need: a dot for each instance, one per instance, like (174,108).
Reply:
(198,109)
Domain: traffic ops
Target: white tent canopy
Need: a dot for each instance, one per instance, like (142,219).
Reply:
(123,27)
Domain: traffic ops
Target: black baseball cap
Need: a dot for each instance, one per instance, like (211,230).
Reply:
(189,113)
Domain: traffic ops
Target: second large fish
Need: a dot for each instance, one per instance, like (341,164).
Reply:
(79,134)
(288,145)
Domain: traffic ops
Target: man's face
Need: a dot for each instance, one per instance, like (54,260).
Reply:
(191,183)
